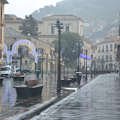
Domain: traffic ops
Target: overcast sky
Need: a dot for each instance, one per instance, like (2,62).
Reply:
(20,8)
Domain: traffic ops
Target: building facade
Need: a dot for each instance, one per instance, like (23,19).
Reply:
(48,32)
(106,54)
(37,54)
(2,3)
(46,27)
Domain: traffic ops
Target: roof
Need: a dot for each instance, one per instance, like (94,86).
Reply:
(109,40)
(12,17)
(9,32)
(5,1)
(62,17)
(87,40)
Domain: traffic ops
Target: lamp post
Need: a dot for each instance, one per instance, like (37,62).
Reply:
(91,69)
(59,27)
(94,67)
(55,67)
(78,54)
(42,52)
(86,65)
(78,45)
(20,52)
(119,50)
(77,73)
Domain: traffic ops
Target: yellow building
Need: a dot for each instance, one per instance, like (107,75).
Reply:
(46,27)
(47,33)
(86,46)
(2,2)
(40,52)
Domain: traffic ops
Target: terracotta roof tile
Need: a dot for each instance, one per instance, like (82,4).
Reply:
(108,40)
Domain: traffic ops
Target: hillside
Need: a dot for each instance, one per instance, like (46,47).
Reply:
(90,11)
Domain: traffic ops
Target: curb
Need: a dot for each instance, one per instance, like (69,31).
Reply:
(36,109)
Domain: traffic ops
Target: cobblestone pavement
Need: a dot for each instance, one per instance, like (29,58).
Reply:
(97,100)
(10,105)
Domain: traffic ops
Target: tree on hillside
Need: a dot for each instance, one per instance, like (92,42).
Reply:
(69,45)
(30,26)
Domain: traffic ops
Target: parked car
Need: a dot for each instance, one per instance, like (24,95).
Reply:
(23,70)
(7,71)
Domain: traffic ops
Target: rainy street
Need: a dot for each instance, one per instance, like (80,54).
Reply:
(97,100)
(10,105)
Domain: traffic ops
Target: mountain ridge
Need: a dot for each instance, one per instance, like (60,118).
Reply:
(90,11)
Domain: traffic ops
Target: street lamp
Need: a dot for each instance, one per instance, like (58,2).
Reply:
(59,27)
(55,67)
(94,67)
(86,65)
(20,52)
(119,50)
(78,54)
(78,45)
(77,73)
(91,69)
(42,52)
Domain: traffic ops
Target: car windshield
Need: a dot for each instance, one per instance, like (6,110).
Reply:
(5,68)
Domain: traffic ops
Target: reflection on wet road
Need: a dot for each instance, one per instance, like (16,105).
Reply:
(98,100)
(10,105)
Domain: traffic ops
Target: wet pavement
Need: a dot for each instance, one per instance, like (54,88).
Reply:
(97,100)
(10,105)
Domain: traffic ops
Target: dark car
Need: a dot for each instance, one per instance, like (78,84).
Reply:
(23,70)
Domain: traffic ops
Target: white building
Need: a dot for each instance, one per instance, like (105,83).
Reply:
(106,53)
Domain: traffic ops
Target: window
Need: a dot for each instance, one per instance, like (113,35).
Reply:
(10,47)
(20,27)
(102,48)
(99,66)
(106,48)
(67,28)
(115,46)
(99,59)
(99,49)
(106,66)
(102,66)
(110,66)
(52,30)
(39,51)
(102,58)
(110,58)
(91,56)
(25,62)
(106,58)
(110,47)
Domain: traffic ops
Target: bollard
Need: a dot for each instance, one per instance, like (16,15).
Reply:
(79,75)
